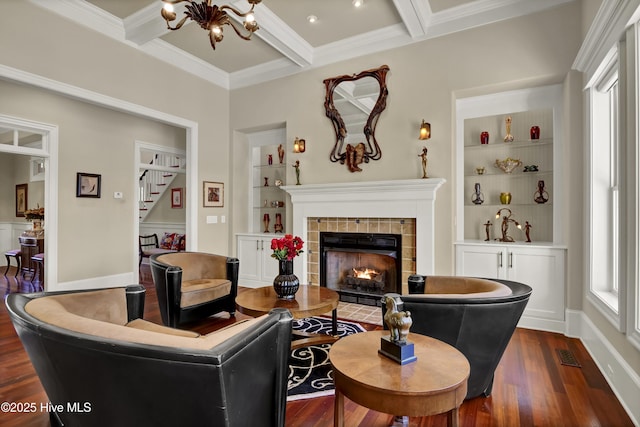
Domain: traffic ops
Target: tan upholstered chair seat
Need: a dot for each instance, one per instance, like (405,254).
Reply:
(463,287)
(103,313)
(198,291)
(194,285)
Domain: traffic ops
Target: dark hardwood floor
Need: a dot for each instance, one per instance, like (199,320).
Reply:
(531,388)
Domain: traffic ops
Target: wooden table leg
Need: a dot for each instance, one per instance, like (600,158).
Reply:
(453,418)
(338,409)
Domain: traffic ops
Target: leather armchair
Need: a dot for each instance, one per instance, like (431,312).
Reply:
(194,285)
(106,368)
(476,316)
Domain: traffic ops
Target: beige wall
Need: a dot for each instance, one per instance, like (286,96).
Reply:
(92,140)
(424,80)
(49,46)
(162,210)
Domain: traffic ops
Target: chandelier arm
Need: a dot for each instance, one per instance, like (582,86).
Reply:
(234,10)
(178,25)
(242,36)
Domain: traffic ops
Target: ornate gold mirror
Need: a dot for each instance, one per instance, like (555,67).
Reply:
(353,103)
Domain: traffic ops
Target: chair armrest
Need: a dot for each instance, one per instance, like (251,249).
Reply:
(233,268)
(135,301)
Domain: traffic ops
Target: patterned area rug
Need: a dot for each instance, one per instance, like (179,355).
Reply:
(310,373)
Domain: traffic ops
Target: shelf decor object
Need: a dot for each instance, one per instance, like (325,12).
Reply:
(508,137)
(484,138)
(541,196)
(534,132)
(505,198)
(508,165)
(477,198)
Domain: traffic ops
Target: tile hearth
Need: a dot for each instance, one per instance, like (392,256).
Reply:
(360,313)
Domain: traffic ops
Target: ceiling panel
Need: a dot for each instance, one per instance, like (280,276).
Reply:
(124,8)
(337,19)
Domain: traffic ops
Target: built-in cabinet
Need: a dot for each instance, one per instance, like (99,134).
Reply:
(267,207)
(541,267)
(257,267)
(492,228)
(268,175)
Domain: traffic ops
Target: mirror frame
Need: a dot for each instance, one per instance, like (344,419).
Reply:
(362,152)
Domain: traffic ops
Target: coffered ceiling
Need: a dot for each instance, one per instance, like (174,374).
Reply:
(286,42)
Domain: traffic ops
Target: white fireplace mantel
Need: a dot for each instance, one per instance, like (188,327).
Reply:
(411,198)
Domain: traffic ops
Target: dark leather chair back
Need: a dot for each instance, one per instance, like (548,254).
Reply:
(480,328)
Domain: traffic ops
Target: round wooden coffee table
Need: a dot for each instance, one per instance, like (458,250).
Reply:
(309,301)
(433,384)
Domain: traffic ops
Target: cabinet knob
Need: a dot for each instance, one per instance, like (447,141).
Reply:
(510,259)
(500,259)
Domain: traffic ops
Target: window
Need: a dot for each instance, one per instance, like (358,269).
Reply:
(605,245)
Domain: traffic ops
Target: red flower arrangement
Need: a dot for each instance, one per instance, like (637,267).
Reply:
(287,247)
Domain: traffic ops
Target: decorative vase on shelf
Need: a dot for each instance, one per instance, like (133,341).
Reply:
(534,132)
(286,283)
(541,196)
(484,138)
(505,198)
(508,137)
(477,197)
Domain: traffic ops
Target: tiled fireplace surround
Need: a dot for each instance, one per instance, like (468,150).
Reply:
(404,207)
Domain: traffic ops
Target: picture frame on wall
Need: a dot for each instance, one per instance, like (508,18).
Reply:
(88,185)
(22,200)
(213,194)
(176,198)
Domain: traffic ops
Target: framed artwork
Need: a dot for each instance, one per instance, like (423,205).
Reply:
(176,198)
(88,185)
(21,199)
(213,194)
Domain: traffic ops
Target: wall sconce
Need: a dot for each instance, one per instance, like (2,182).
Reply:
(299,145)
(425,130)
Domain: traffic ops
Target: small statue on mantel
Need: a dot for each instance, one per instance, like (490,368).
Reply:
(424,162)
(296,165)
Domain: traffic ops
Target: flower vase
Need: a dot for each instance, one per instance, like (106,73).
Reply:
(286,283)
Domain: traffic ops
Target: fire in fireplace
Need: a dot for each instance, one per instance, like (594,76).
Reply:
(361,267)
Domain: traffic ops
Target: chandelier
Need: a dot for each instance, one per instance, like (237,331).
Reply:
(212,18)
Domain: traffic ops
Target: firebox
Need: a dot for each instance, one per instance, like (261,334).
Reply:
(361,267)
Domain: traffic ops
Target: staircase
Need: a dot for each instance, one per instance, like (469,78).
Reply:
(156,177)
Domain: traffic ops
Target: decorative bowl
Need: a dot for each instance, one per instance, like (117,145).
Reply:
(508,165)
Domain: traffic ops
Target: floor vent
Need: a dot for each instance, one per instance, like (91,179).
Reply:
(567,358)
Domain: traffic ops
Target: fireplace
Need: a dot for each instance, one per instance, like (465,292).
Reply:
(361,267)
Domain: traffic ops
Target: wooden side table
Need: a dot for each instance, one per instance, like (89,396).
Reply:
(309,301)
(436,383)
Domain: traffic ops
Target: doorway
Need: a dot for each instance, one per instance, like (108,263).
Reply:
(29,151)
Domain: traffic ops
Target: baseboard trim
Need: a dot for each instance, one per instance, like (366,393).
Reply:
(623,380)
(112,281)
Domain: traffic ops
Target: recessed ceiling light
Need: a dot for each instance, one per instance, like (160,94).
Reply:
(358,3)
(312,18)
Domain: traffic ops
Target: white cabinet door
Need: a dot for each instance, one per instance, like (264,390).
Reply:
(250,265)
(543,270)
(257,268)
(480,261)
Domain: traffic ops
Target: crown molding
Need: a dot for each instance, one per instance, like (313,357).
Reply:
(605,31)
(141,30)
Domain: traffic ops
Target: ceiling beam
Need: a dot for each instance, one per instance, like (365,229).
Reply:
(416,16)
